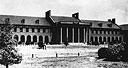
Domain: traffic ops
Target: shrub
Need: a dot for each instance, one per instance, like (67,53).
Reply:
(114,52)
(103,52)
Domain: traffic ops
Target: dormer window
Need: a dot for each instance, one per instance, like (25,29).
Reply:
(75,22)
(37,21)
(100,24)
(7,20)
(90,24)
(23,21)
(109,25)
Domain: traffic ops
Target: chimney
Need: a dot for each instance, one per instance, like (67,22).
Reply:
(76,15)
(109,20)
(48,13)
(113,20)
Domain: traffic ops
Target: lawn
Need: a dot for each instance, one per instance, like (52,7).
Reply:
(66,58)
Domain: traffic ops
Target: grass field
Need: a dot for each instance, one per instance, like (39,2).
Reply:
(67,58)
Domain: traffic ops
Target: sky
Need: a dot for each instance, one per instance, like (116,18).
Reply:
(88,9)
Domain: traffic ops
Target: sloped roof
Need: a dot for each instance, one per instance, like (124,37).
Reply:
(64,19)
(105,24)
(124,27)
(28,20)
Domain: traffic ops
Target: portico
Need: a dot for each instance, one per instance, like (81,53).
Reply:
(74,34)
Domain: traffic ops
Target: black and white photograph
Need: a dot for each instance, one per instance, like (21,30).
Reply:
(63,33)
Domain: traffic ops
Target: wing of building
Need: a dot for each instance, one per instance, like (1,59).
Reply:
(124,28)
(58,29)
(29,30)
(104,31)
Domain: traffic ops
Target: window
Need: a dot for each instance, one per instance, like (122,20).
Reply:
(100,24)
(32,29)
(38,29)
(92,31)
(15,29)
(115,32)
(27,29)
(100,31)
(90,24)
(104,32)
(37,21)
(96,32)
(21,29)
(109,25)
(23,21)
(44,30)
(112,32)
(7,20)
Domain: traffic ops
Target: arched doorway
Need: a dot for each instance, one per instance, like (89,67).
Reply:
(104,39)
(46,39)
(100,39)
(116,38)
(28,40)
(96,39)
(108,39)
(16,37)
(40,39)
(34,38)
(112,38)
(22,38)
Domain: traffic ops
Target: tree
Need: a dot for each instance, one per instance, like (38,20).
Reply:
(8,53)
(115,52)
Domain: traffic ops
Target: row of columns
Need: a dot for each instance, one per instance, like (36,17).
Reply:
(67,31)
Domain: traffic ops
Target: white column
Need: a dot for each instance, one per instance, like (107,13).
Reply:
(37,38)
(61,35)
(102,38)
(78,35)
(73,34)
(32,38)
(25,38)
(67,32)
(87,35)
(98,38)
(84,35)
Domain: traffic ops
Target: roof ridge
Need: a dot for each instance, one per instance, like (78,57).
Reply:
(95,20)
(22,16)
(62,16)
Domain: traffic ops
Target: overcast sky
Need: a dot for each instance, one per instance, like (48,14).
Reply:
(88,9)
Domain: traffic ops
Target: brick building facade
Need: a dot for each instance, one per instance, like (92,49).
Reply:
(58,29)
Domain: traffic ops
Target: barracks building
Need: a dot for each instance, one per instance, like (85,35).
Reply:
(58,29)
